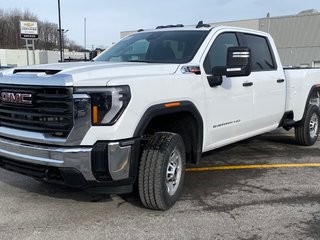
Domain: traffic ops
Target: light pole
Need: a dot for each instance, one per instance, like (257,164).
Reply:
(63,43)
(60,32)
(85,39)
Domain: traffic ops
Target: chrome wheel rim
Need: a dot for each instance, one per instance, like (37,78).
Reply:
(173,174)
(313,126)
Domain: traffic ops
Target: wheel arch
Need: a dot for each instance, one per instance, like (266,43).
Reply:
(301,106)
(313,90)
(182,111)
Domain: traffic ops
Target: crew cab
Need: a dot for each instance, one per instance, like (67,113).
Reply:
(148,105)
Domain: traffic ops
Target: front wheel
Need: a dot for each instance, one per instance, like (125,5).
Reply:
(307,131)
(161,172)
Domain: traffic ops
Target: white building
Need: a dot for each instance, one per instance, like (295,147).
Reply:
(18,57)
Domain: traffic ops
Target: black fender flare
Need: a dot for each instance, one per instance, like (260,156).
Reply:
(293,123)
(313,89)
(176,107)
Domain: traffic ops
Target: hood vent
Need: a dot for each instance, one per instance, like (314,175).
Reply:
(46,71)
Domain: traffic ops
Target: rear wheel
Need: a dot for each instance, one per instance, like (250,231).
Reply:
(161,172)
(307,131)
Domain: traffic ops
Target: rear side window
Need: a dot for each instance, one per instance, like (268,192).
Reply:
(261,56)
(217,55)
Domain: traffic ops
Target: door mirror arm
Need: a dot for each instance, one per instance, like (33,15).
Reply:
(214,81)
(216,78)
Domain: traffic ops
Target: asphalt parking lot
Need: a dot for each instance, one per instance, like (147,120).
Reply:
(250,203)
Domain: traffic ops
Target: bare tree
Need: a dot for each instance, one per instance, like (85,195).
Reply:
(48,32)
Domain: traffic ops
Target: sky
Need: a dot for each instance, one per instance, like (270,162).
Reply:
(107,18)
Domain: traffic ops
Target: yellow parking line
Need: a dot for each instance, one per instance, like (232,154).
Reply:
(261,166)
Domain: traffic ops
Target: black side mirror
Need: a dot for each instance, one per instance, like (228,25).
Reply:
(238,65)
(238,62)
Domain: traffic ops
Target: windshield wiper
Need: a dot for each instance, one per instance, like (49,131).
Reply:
(142,61)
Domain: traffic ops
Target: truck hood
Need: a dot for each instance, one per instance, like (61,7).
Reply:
(83,73)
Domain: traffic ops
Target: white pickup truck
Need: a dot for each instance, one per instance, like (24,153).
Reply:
(151,103)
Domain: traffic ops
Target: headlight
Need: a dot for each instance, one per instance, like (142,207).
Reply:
(107,103)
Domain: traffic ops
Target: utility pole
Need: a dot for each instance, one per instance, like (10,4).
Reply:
(268,22)
(60,32)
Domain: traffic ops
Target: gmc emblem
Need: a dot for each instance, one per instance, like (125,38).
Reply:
(16,98)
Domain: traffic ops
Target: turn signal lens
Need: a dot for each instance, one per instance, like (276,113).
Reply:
(172,104)
(94,115)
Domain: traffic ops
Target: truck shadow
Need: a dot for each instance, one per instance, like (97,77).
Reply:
(199,186)
(49,190)
(211,190)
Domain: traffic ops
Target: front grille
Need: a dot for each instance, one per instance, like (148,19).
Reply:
(51,111)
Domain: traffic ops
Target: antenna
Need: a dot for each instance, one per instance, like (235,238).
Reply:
(201,24)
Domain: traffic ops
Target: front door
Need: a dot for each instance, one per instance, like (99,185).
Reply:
(229,107)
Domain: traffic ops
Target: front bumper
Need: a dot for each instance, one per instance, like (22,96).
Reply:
(102,165)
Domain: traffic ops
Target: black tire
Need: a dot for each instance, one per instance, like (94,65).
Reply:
(153,190)
(304,133)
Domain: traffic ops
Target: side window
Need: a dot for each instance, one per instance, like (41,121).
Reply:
(261,57)
(217,55)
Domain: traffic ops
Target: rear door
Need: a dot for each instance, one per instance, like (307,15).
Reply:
(268,83)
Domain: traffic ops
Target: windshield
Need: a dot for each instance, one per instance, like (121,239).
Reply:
(156,47)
